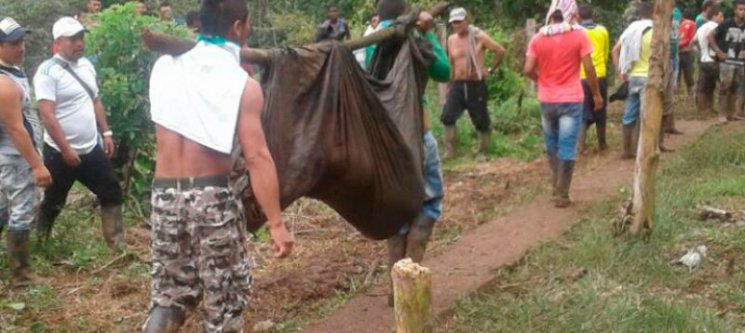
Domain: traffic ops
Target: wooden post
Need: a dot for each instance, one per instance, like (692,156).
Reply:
(442,37)
(412,290)
(648,154)
(531,27)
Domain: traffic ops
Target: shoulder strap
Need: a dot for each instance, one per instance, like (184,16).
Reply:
(67,68)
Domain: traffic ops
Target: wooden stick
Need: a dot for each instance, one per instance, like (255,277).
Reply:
(412,290)
(648,155)
(170,45)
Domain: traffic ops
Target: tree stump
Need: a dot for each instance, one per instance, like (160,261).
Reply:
(412,290)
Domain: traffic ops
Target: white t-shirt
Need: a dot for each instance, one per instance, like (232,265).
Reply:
(702,38)
(73,106)
(359,54)
(198,94)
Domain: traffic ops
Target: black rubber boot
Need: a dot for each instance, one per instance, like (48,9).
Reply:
(484,143)
(111,226)
(581,139)
(602,136)
(566,170)
(663,130)
(628,151)
(670,128)
(18,254)
(416,242)
(553,166)
(396,252)
(164,320)
(451,136)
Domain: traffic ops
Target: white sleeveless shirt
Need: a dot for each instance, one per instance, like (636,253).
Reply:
(198,94)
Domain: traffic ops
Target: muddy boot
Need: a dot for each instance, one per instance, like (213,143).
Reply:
(111,225)
(566,170)
(164,320)
(18,253)
(602,137)
(628,151)
(416,243)
(396,252)
(723,109)
(582,138)
(484,143)
(670,126)
(553,166)
(663,148)
(451,136)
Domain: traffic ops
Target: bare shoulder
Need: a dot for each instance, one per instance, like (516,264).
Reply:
(253,97)
(8,88)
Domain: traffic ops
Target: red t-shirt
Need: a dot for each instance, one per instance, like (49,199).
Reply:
(559,59)
(687,33)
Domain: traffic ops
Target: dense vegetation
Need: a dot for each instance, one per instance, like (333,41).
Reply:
(124,66)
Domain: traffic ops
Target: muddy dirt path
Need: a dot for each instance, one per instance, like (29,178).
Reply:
(468,264)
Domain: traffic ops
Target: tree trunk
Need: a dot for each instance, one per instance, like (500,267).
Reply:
(648,154)
(412,290)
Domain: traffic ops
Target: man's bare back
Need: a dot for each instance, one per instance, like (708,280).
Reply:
(179,157)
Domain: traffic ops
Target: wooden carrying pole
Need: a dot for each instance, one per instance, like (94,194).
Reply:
(166,44)
(412,292)
(648,154)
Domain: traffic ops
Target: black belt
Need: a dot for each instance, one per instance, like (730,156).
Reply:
(191,182)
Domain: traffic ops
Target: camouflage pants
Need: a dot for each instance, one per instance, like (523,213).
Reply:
(18,195)
(198,252)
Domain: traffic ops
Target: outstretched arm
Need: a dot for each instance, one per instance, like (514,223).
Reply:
(260,165)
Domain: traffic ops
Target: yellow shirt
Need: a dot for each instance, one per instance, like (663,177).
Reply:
(600,45)
(641,67)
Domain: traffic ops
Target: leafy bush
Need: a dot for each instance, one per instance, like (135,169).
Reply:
(123,67)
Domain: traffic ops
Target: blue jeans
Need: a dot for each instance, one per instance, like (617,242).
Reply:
(561,125)
(433,183)
(634,101)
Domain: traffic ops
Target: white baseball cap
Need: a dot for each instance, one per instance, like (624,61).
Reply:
(67,27)
(10,30)
(458,15)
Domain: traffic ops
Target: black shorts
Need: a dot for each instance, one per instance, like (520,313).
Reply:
(590,116)
(471,96)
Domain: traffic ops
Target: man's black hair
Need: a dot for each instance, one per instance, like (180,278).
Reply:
(164,4)
(391,9)
(557,16)
(217,16)
(192,17)
(712,12)
(586,12)
(331,5)
(738,3)
(646,9)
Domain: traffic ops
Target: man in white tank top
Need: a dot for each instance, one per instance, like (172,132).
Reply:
(20,164)
(202,101)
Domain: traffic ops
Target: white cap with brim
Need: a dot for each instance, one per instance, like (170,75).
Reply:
(458,15)
(67,27)
(10,30)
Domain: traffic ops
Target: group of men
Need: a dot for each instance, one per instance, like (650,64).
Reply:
(197,231)
(76,146)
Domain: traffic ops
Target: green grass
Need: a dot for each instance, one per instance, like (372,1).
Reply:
(516,130)
(632,285)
